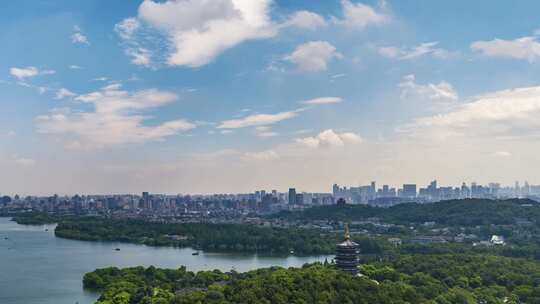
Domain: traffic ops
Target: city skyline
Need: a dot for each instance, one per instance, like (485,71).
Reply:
(517,186)
(178,97)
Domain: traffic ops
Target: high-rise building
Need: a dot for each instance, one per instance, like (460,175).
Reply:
(385,192)
(372,190)
(335,190)
(526,189)
(299,199)
(292,196)
(146,201)
(432,190)
(409,191)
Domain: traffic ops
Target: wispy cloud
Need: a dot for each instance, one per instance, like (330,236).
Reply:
(421,50)
(265,131)
(63,93)
(525,48)
(115,120)
(23,161)
(28,72)
(267,155)
(442,91)
(323,100)
(256,120)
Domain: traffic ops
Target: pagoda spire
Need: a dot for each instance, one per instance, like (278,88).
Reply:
(347,254)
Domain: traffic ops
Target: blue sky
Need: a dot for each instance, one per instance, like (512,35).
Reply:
(185,96)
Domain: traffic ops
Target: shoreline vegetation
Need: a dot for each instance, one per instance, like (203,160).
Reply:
(35,219)
(208,237)
(433,279)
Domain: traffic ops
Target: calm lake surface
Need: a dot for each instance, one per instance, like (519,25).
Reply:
(38,268)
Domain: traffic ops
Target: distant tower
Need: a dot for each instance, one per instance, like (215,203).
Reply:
(347,254)
(292,196)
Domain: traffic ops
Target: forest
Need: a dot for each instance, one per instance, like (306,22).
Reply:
(206,236)
(441,279)
(465,212)
(35,218)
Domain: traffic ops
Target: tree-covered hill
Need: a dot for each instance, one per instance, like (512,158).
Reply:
(441,279)
(212,237)
(467,212)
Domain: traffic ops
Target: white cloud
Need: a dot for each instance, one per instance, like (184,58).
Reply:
(63,93)
(256,120)
(261,156)
(79,38)
(504,114)
(9,133)
(199,31)
(358,16)
(100,79)
(139,56)
(75,67)
(306,20)
(127,27)
(525,48)
(193,33)
(115,120)
(40,89)
(423,49)
(28,72)
(323,100)
(442,91)
(329,138)
(265,131)
(267,134)
(24,162)
(313,56)
(336,76)
(502,154)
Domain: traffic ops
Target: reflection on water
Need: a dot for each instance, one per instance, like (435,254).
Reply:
(36,267)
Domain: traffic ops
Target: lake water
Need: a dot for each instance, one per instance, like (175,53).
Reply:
(38,268)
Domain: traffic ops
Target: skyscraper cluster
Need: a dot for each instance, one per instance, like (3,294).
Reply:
(388,196)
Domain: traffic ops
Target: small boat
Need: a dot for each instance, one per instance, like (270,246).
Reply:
(195,253)
(46,229)
(117,249)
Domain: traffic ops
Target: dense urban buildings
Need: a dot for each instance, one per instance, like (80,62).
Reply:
(388,196)
(260,201)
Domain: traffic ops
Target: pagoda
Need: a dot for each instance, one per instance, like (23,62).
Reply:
(347,254)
